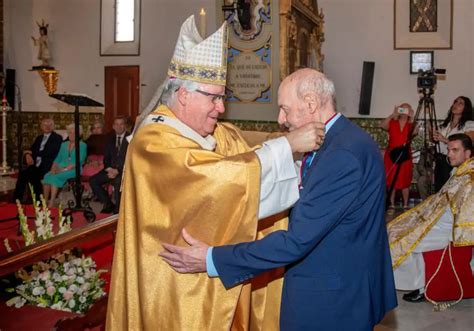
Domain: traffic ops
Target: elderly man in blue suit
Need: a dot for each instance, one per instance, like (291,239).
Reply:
(338,266)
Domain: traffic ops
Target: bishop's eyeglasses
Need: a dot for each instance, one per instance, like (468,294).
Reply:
(215,98)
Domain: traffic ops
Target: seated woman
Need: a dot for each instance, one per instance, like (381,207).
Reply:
(64,166)
(95,150)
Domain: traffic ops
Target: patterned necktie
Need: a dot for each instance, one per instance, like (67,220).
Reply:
(307,159)
(43,143)
(119,141)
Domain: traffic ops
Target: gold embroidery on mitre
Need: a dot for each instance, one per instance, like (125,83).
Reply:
(200,60)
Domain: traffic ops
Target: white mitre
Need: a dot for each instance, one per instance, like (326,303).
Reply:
(195,59)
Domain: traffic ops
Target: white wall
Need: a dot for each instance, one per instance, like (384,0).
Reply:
(74,32)
(356,31)
(362,30)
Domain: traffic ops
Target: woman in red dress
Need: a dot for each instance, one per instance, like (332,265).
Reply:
(398,125)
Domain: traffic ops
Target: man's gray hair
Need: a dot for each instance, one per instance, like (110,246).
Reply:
(172,86)
(165,94)
(319,84)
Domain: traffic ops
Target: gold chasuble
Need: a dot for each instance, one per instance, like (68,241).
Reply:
(171,183)
(406,231)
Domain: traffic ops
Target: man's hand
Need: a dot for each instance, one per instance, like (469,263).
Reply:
(308,138)
(186,259)
(112,173)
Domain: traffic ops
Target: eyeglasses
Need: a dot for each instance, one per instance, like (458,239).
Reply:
(215,98)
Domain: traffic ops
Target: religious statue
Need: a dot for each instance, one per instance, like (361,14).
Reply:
(249,18)
(43,46)
(245,14)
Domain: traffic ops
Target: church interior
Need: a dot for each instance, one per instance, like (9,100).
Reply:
(84,70)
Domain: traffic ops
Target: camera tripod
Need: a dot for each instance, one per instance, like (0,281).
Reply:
(401,154)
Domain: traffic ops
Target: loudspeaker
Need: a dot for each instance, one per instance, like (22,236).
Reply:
(10,87)
(366,87)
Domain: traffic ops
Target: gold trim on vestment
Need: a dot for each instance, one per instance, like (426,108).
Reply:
(463,243)
(457,195)
(416,242)
(464,225)
(171,183)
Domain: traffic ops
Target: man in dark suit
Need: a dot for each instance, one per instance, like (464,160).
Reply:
(38,159)
(338,266)
(114,159)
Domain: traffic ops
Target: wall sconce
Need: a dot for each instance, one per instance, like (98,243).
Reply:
(50,79)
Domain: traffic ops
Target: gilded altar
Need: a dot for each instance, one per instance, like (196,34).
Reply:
(301,36)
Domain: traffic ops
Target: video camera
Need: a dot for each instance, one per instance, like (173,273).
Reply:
(427,78)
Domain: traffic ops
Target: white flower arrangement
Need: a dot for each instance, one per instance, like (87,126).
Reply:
(43,222)
(65,281)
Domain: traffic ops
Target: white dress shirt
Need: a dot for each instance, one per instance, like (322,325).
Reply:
(43,143)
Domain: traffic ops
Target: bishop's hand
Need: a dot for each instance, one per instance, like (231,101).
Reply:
(189,259)
(307,138)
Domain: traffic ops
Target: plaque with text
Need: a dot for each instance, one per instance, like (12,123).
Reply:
(248,76)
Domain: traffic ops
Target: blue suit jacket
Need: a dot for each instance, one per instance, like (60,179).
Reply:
(338,265)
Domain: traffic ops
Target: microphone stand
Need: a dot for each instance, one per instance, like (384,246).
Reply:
(78,100)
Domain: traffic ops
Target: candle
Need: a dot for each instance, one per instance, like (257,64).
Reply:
(202,25)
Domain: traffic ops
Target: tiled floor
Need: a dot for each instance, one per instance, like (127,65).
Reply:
(421,317)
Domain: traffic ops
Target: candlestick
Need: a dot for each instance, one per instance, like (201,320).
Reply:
(4,168)
(202,23)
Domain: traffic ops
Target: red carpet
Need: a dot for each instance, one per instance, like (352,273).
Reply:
(100,249)
(9,224)
(30,318)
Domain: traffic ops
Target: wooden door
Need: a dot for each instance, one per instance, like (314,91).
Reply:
(122,93)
